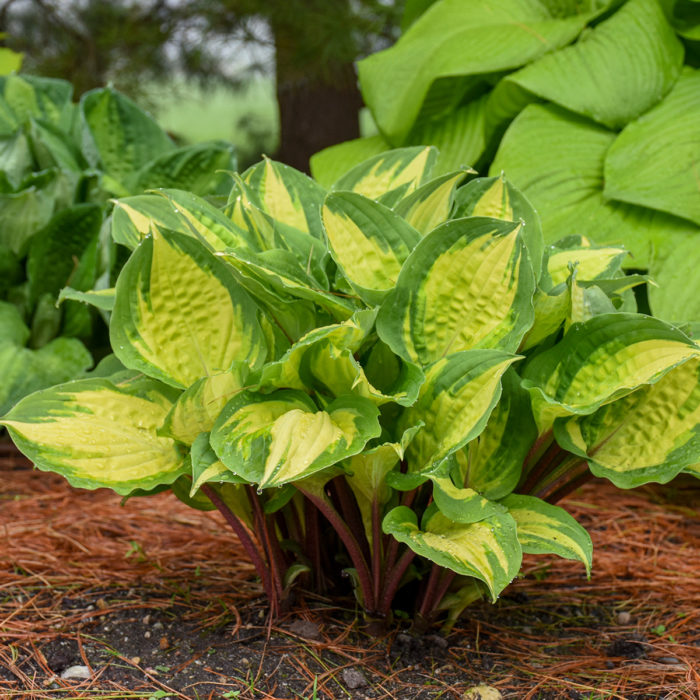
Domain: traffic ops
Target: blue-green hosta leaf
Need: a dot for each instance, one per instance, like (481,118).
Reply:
(454,403)
(488,550)
(662,146)
(179,315)
(650,435)
(22,214)
(602,360)
(53,147)
(331,163)
(32,96)
(467,284)
(430,205)
(117,136)
(281,437)
(98,433)
(16,159)
(497,198)
(676,296)
(368,241)
(207,467)
(24,371)
(198,407)
(390,176)
(287,195)
(547,529)
(616,72)
(491,463)
(51,264)
(501,35)
(557,159)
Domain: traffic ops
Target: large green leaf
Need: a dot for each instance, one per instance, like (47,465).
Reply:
(361,229)
(454,404)
(616,72)
(281,437)
(662,146)
(33,96)
(557,160)
(500,35)
(98,433)
(488,550)
(602,360)
(331,163)
(179,315)
(22,214)
(497,198)
(547,529)
(650,435)
(467,284)
(12,327)
(56,251)
(118,137)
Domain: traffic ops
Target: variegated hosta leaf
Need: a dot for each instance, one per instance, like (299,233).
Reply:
(99,298)
(547,529)
(430,205)
(551,309)
(197,409)
(97,433)
(467,284)
(488,550)
(497,198)
(600,361)
(368,241)
(462,505)
(348,335)
(280,270)
(281,437)
(693,470)
(454,403)
(390,176)
(650,435)
(207,467)
(592,261)
(133,218)
(287,195)
(491,464)
(179,315)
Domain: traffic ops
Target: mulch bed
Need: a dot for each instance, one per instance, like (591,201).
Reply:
(158,600)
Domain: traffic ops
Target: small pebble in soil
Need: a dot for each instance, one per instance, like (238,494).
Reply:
(243,661)
(353,678)
(668,660)
(135,659)
(76,672)
(147,634)
(146,620)
(305,629)
(157,625)
(624,618)
(164,643)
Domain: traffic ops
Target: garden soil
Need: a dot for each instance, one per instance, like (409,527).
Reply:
(151,599)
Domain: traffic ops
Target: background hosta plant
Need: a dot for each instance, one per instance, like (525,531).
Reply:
(592,108)
(60,163)
(394,379)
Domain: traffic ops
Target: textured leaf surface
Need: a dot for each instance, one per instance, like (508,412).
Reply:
(462,505)
(547,529)
(368,242)
(501,35)
(488,550)
(454,404)
(97,433)
(133,218)
(601,360)
(467,284)
(281,437)
(179,315)
(650,435)
(661,146)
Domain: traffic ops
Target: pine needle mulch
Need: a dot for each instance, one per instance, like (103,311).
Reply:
(632,632)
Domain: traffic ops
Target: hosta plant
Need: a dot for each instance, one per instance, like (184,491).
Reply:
(393,380)
(592,108)
(60,163)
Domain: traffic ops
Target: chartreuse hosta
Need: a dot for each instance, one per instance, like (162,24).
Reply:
(399,357)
